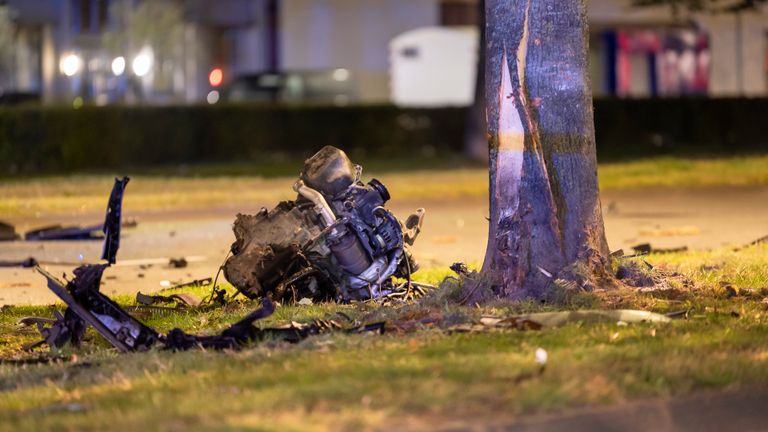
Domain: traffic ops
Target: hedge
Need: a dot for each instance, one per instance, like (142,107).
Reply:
(57,139)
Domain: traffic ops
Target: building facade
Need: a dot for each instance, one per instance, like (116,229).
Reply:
(133,51)
(634,52)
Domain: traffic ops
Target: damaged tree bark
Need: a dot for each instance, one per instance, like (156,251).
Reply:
(545,217)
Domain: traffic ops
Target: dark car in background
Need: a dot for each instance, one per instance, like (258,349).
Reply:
(332,86)
(18,98)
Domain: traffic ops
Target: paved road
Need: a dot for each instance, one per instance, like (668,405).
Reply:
(712,412)
(455,230)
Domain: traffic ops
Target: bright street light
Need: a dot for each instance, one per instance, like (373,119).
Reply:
(341,74)
(70,64)
(213,97)
(118,65)
(216,77)
(141,64)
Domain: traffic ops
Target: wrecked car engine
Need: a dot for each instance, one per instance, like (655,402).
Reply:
(335,241)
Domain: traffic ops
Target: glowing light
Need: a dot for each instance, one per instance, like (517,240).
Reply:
(118,66)
(216,77)
(341,74)
(77,103)
(70,65)
(212,97)
(142,63)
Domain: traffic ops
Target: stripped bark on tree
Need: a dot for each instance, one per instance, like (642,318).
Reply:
(545,221)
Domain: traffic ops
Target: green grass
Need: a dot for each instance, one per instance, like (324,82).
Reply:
(421,377)
(681,172)
(218,186)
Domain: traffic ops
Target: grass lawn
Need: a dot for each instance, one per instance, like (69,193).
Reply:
(419,375)
(231,185)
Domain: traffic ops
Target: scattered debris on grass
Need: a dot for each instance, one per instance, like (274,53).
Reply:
(181,300)
(351,251)
(540,320)
(191,284)
(761,240)
(178,262)
(646,248)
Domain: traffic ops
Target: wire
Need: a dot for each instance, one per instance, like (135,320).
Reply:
(216,279)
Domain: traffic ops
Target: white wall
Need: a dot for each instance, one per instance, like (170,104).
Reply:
(352,34)
(434,66)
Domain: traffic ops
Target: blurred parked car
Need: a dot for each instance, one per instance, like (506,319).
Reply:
(18,98)
(334,86)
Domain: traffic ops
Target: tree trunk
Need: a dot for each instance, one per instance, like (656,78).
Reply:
(546,222)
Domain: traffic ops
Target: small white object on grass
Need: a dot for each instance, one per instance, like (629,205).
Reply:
(165,283)
(541,356)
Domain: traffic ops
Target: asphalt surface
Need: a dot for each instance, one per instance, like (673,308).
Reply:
(718,412)
(742,411)
(454,230)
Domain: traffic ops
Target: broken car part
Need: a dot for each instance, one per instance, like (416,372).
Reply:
(82,297)
(113,221)
(335,241)
(86,305)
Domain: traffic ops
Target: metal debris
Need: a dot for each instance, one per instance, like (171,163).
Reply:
(191,284)
(181,300)
(335,241)
(404,293)
(91,307)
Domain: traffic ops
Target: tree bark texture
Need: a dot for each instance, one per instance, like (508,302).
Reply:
(545,216)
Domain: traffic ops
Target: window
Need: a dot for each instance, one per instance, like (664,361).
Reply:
(459,13)
(89,16)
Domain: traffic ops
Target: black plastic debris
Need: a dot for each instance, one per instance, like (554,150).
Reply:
(178,262)
(646,248)
(761,240)
(642,249)
(82,297)
(112,220)
(8,232)
(27,263)
(460,269)
(58,232)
